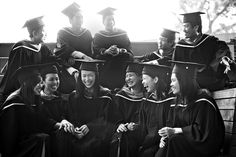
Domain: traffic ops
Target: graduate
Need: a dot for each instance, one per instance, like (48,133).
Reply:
(25,130)
(72,42)
(194,127)
(204,49)
(164,53)
(155,107)
(54,106)
(89,107)
(128,101)
(25,52)
(112,45)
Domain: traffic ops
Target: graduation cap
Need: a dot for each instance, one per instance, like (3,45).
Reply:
(169,34)
(49,69)
(188,69)
(34,23)
(29,72)
(107,11)
(135,67)
(91,65)
(154,70)
(71,10)
(193,18)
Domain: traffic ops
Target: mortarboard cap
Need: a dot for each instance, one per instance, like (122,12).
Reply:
(193,18)
(107,11)
(48,69)
(91,65)
(34,23)
(169,34)
(29,72)
(188,69)
(154,70)
(71,10)
(135,67)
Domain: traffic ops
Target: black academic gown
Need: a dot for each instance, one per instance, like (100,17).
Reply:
(24,130)
(203,129)
(128,106)
(153,116)
(162,58)
(112,74)
(93,113)
(68,42)
(206,50)
(55,109)
(22,53)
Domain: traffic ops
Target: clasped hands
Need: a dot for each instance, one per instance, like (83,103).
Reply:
(114,50)
(166,132)
(127,126)
(80,132)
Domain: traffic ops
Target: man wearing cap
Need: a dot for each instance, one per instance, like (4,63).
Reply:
(205,49)
(25,52)
(165,51)
(72,42)
(112,45)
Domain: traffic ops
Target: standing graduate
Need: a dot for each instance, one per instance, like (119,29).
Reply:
(23,126)
(55,107)
(155,108)
(164,53)
(112,45)
(128,101)
(72,42)
(204,49)
(25,52)
(89,107)
(194,127)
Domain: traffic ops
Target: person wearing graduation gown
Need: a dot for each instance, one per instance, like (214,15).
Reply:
(72,42)
(163,54)
(25,52)
(128,101)
(54,106)
(204,49)
(112,45)
(88,111)
(155,107)
(194,127)
(25,130)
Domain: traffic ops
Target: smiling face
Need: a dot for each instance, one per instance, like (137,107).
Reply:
(39,35)
(88,78)
(132,79)
(77,20)
(189,30)
(51,82)
(175,86)
(109,22)
(149,83)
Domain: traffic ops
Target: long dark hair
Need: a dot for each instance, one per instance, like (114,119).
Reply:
(189,87)
(80,87)
(161,87)
(27,89)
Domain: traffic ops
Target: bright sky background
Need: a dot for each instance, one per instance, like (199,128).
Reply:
(142,19)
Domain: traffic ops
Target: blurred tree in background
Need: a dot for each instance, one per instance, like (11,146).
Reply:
(219,14)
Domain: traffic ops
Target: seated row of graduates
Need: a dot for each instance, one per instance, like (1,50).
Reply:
(92,122)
